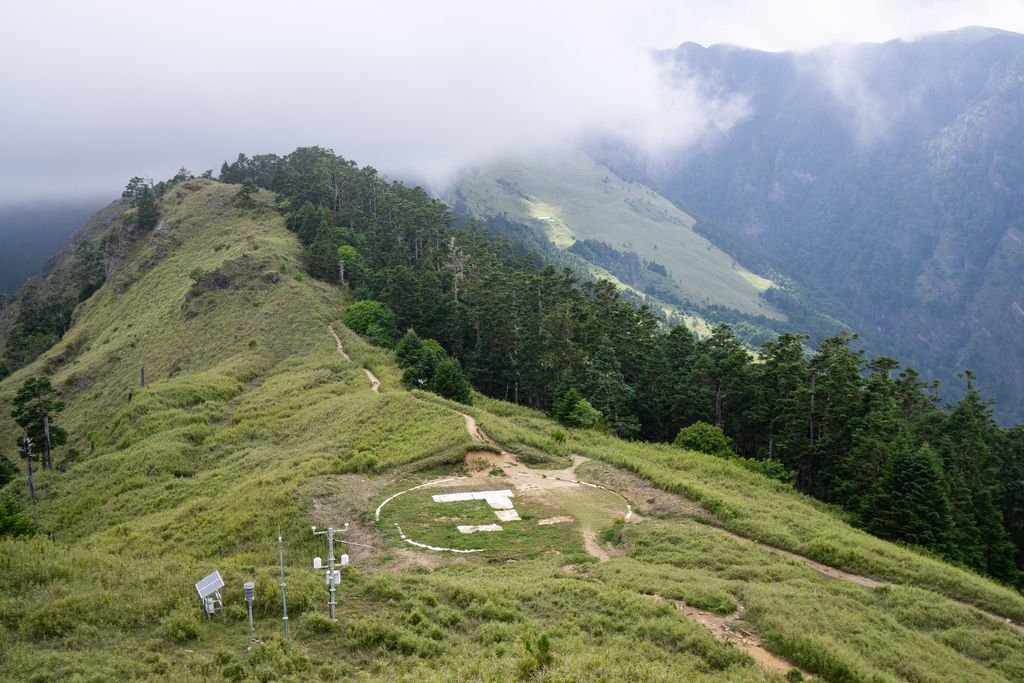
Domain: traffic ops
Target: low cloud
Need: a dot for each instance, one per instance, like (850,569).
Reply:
(846,73)
(97,92)
(101,94)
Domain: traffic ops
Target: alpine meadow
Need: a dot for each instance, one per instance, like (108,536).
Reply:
(531,474)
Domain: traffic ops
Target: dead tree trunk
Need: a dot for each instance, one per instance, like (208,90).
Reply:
(48,459)
(27,442)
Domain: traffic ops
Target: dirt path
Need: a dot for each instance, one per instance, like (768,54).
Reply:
(730,629)
(593,547)
(822,569)
(475,432)
(374,382)
(866,581)
(341,349)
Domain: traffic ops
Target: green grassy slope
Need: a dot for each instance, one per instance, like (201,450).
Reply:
(251,423)
(572,198)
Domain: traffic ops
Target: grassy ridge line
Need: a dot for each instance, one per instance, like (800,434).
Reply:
(582,199)
(197,471)
(763,510)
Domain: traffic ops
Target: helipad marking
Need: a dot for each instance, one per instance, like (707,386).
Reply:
(472,495)
(561,519)
(473,528)
(434,547)
(629,507)
(429,483)
(500,502)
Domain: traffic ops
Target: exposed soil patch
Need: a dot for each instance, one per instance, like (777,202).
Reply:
(644,496)
(404,559)
(551,479)
(480,463)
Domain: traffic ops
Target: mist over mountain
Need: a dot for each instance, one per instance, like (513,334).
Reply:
(890,176)
(32,233)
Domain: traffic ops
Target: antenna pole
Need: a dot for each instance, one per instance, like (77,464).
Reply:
(284,599)
(330,568)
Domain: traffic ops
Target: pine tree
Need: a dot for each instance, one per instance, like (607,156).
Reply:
(319,257)
(607,390)
(911,501)
(408,349)
(448,381)
(35,406)
(969,438)
(147,214)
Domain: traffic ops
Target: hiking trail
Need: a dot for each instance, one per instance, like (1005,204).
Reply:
(374,382)
(731,629)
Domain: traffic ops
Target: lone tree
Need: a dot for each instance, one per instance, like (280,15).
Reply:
(35,405)
(704,438)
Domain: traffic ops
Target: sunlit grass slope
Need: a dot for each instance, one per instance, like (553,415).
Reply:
(571,197)
(251,424)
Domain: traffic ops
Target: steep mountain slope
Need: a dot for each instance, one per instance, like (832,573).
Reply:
(886,175)
(253,425)
(578,202)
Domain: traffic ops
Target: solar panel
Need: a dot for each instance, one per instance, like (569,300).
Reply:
(209,585)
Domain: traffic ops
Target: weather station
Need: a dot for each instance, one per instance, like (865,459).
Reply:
(332,573)
(209,592)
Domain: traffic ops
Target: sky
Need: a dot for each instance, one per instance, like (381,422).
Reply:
(96,92)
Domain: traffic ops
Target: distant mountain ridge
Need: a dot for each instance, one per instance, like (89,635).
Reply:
(890,176)
(578,212)
(572,199)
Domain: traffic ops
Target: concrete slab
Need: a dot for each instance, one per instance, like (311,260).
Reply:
(473,528)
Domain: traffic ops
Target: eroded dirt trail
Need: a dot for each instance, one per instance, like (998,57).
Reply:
(374,382)
(337,339)
(475,432)
(731,629)
(593,547)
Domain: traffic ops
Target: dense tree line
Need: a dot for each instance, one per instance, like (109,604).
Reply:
(859,432)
